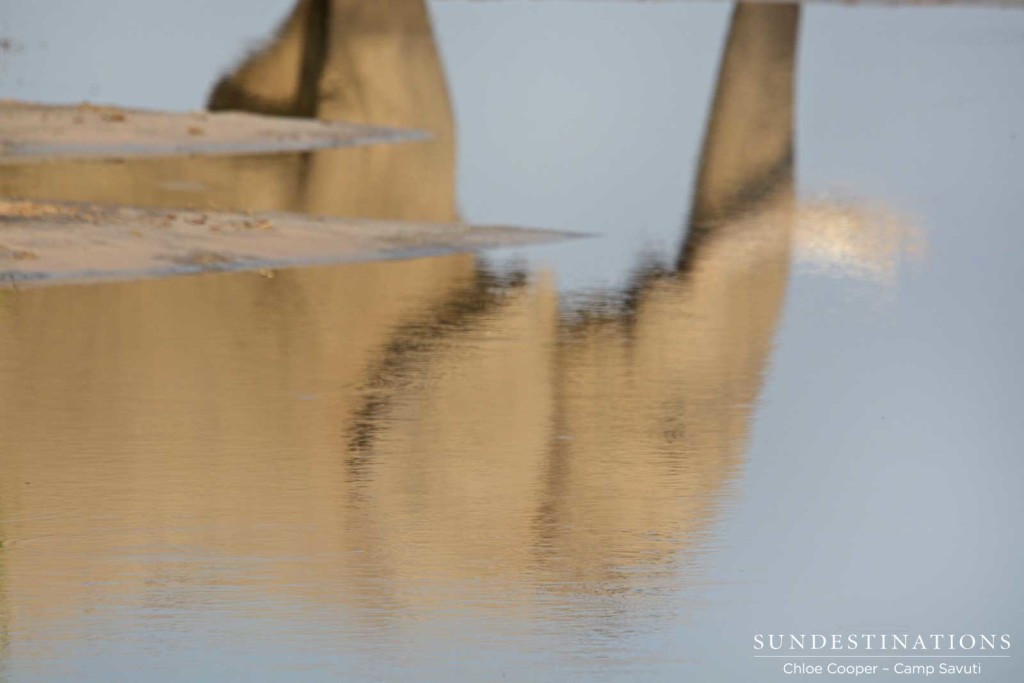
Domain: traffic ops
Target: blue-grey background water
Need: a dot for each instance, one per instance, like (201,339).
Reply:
(309,478)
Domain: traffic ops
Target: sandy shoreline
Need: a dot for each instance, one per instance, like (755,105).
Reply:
(32,133)
(62,243)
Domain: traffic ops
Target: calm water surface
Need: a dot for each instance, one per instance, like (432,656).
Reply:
(779,391)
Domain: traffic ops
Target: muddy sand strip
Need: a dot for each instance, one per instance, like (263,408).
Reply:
(36,132)
(58,243)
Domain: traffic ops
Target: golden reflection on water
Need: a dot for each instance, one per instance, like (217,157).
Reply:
(350,436)
(374,63)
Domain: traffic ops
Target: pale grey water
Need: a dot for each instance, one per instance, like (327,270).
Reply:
(195,511)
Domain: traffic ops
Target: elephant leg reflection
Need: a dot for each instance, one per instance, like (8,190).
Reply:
(656,398)
(512,444)
(281,79)
(374,63)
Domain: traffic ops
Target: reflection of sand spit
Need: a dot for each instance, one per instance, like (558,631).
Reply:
(843,240)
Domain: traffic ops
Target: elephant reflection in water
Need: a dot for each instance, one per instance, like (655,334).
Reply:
(587,448)
(458,424)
